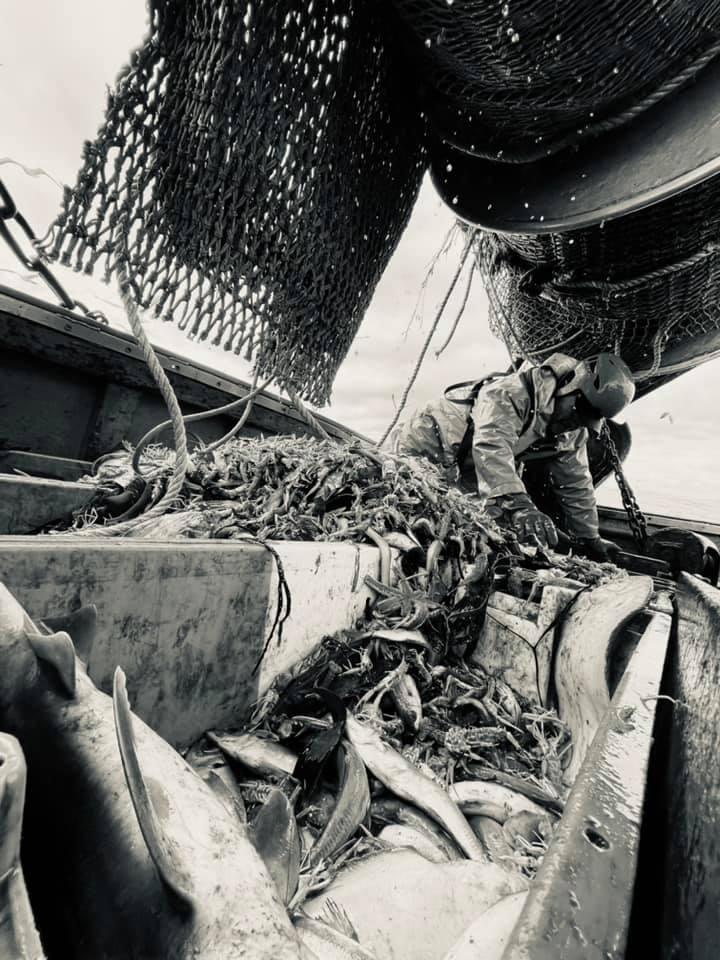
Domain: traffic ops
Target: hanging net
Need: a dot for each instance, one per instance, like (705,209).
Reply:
(257,164)
(517,80)
(638,285)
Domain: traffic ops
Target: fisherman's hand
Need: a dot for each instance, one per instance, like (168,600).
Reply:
(595,548)
(530,523)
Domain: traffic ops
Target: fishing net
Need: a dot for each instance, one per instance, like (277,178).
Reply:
(516,80)
(637,285)
(256,166)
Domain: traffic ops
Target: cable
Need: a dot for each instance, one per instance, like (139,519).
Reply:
(436,321)
(461,311)
(193,417)
(182,462)
(307,416)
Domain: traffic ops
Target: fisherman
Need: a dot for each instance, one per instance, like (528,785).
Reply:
(484,432)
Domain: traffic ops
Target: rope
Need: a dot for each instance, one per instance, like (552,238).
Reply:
(460,311)
(436,321)
(547,148)
(659,339)
(307,416)
(242,420)
(204,415)
(566,282)
(182,462)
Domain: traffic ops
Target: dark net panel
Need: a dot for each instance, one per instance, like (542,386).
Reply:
(636,285)
(256,167)
(517,79)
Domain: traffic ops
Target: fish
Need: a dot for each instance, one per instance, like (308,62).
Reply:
(406,697)
(150,862)
(211,764)
(400,635)
(492,799)
(402,835)
(325,942)
(395,811)
(532,828)
(490,833)
(274,834)
(353,804)
(265,757)
(19,937)
(407,782)
(487,936)
(405,908)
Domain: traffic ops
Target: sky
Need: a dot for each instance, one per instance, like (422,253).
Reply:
(57,60)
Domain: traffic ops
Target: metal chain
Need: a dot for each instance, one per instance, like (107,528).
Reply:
(636,518)
(35,262)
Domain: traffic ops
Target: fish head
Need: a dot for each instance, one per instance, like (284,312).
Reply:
(12,801)
(29,651)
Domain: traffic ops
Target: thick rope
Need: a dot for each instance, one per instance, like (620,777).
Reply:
(204,415)
(182,462)
(307,416)
(431,334)
(547,148)
(460,312)
(566,282)
(242,420)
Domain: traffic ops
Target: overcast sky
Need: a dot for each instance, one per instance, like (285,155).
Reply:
(56,59)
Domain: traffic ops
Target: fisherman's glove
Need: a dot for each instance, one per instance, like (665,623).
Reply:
(595,548)
(530,524)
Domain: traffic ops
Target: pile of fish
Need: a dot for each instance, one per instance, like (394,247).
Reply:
(128,853)
(386,798)
(289,488)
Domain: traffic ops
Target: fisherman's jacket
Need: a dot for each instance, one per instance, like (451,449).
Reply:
(509,420)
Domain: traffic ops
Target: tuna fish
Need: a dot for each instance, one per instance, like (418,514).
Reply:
(488,799)
(211,764)
(401,835)
(406,908)
(395,811)
(19,938)
(353,803)
(274,834)
(265,757)
(487,936)
(405,780)
(149,861)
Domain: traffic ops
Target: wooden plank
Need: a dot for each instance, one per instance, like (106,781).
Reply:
(579,904)
(690,907)
(29,503)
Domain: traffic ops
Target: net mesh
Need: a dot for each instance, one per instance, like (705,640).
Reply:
(257,164)
(637,285)
(518,79)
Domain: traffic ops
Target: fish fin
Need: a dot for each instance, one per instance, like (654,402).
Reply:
(56,649)
(13,774)
(275,836)
(336,917)
(159,847)
(81,624)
